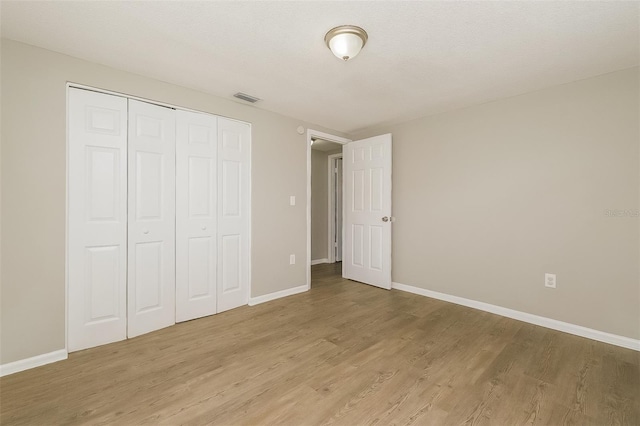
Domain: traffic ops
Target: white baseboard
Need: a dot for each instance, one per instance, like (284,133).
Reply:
(277,295)
(578,330)
(33,362)
(319,261)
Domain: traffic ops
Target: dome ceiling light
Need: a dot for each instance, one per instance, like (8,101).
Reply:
(346,41)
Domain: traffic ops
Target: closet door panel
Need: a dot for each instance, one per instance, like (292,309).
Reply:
(148,276)
(97,219)
(196,193)
(151,227)
(233,213)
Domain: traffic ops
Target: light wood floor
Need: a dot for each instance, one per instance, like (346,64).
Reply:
(343,353)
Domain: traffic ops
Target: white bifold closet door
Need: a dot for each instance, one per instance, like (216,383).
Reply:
(155,195)
(234,151)
(151,235)
(196,221)
(97,219)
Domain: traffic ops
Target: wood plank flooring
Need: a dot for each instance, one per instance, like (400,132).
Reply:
(342,354)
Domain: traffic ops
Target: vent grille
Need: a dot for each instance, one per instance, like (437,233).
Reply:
(246,97)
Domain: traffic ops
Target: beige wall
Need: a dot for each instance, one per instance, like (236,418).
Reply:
(491,197)
(319,219)
(33,168)
(319,203)
(487,198)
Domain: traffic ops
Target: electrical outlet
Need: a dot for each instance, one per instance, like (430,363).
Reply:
(292,200)
(292,259)
(550,280)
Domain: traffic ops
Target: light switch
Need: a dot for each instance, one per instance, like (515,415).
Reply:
(292,200)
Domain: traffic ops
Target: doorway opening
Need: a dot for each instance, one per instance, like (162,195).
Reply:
(324,221)
(334,202)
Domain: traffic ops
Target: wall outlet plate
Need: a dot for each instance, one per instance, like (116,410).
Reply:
(550,280)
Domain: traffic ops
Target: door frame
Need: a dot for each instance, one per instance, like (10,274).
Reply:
(331,217)
(331,138)
(70,85)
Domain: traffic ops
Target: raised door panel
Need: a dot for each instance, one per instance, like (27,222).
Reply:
(103,184)
(201,171)
(200,269)
(196,194)
(376,251)
(148,276)
(377,189)
(231,189)
(102,271)
(357,245)
(233,213)
(151,227)
(358,190)
(230,265)
(149,189)
(97,219)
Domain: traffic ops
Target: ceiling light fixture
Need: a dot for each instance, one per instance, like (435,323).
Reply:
(346,41)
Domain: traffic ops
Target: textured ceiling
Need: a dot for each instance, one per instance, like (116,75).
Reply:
(422,57)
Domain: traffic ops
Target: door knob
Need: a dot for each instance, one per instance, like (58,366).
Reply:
(204,228)
(385,219)
(145,231)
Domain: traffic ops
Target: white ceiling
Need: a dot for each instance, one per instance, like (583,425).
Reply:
(325,146)
(422,57)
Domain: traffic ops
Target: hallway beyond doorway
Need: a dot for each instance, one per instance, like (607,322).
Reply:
(325,274)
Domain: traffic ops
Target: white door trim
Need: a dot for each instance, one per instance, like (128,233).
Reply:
(331,138)
(331,217)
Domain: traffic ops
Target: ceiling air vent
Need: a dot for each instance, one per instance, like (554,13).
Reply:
(246,97)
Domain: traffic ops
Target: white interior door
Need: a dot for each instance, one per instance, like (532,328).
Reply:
(151,236)
(97,219)
(367,215)
(234,150)
(196,243)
